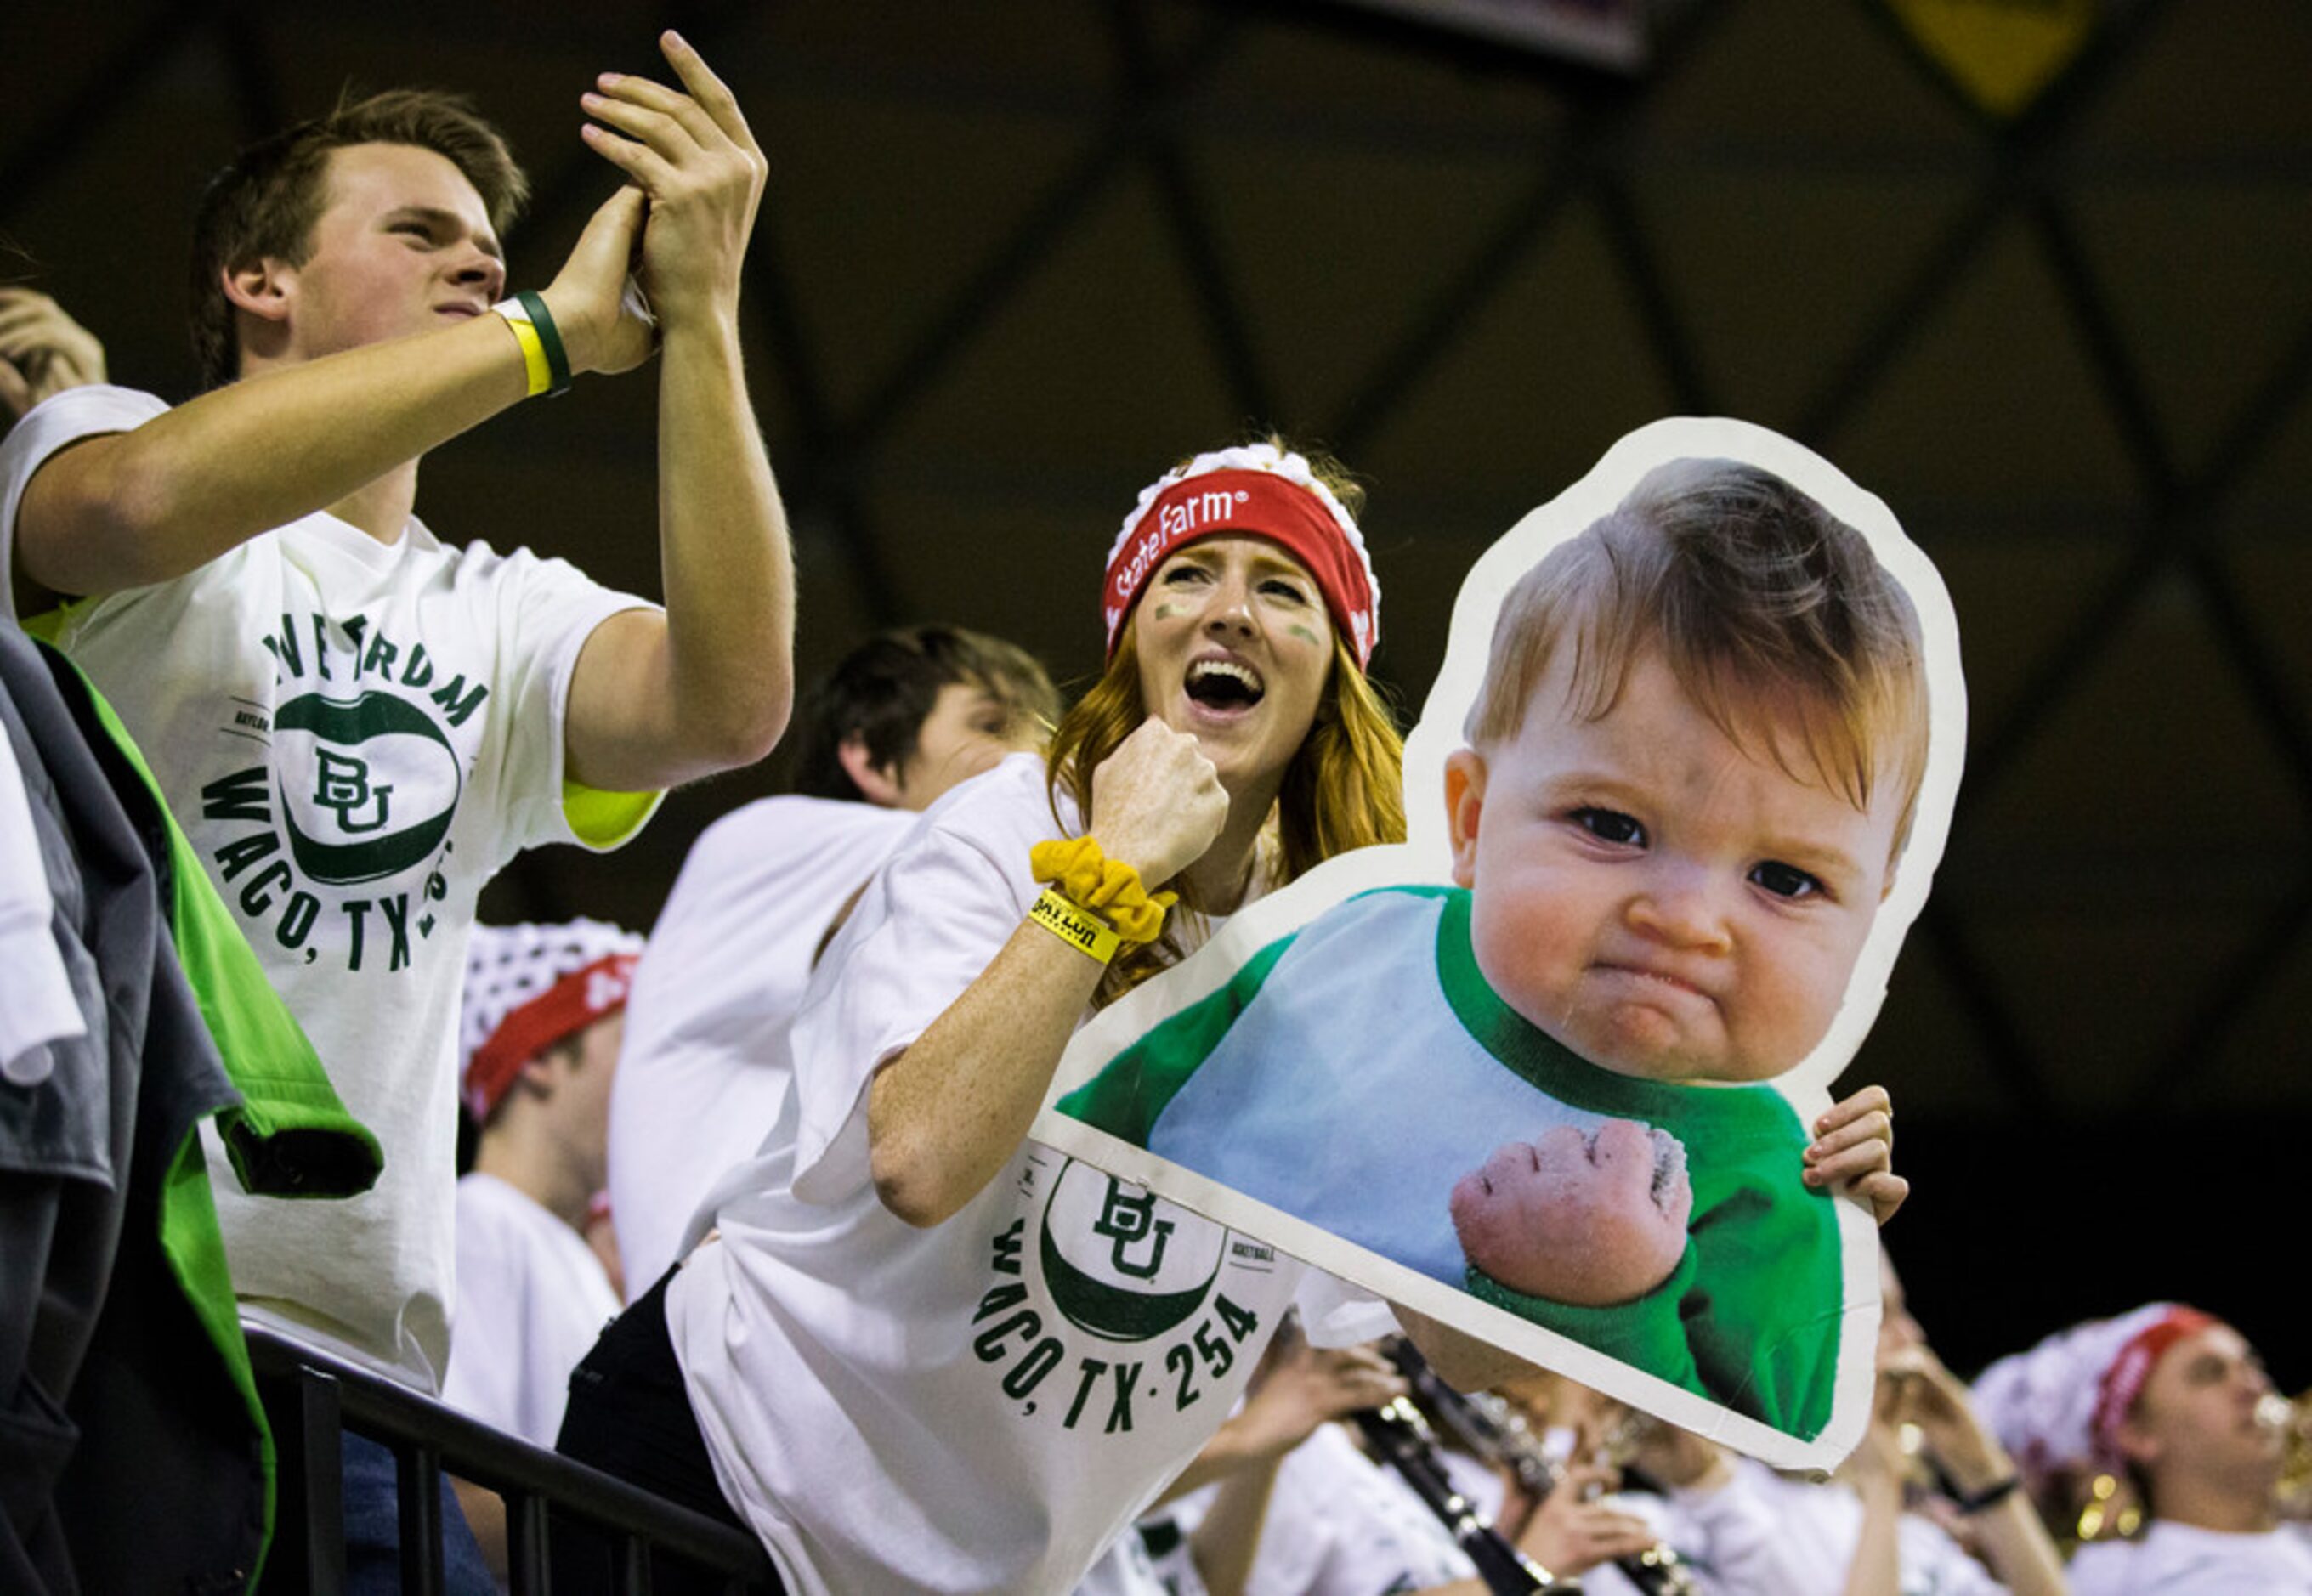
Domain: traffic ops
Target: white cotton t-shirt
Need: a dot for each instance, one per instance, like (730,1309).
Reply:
(2173,1559)
(984,1404)
(531,1300)
(356,736)
(1816,1528)
(705,1058)
(1340,1524)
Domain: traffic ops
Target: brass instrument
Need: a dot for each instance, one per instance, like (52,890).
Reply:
(2293,1419)
(2110,1511)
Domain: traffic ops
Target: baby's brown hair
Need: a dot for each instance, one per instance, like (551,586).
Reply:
(1772,614)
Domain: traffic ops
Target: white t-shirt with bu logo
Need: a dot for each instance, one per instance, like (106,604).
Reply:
(984,1404)
(356,736)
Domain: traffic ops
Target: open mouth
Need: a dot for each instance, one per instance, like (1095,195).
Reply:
(1224,684)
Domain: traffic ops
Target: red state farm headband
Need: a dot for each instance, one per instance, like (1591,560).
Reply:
(561,1010)
(2124,1381)
(1256,491)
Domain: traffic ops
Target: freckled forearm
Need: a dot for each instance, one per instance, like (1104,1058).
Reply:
(944,1116)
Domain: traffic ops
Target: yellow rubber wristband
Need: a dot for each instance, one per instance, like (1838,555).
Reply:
(533,349)
(1086,933)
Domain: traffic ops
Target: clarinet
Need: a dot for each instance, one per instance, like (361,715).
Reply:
(1493,1428)
(1405,1441)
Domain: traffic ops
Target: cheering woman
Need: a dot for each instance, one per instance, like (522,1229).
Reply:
(920,1351)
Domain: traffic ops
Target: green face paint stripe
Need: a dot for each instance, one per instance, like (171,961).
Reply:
(1307,636)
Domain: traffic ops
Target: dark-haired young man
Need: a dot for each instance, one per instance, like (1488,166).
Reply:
(356,723)
(907,715)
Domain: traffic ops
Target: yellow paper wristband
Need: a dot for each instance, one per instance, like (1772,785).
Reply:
(1087,933)
(533,349)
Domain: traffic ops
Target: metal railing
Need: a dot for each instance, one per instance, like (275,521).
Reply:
(310,1398)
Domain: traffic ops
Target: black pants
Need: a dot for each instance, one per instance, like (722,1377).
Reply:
(628,1415)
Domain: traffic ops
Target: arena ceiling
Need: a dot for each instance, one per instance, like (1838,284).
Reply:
(1016,255)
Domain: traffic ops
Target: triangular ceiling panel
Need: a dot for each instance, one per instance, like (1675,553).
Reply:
(72,42)
(890,205)
(1345,90)
(1335,255)
(1037,50)
(1992,397)
(1420,553)
(2211,79)
(1924,1049)
(2271,493)
(1535,386)
(2019,594)
(2265,1064)
(2061,968)
(1796,75)
(2270,574)
(2000,59)
(2207,285)
(2157,730)
(1778,275)
(1102,350)
(118,266)
(971,548)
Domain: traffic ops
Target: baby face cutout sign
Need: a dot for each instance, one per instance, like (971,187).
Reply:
(1543,1073)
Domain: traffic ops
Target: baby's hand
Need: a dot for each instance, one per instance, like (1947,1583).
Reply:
(1853,1152)
(1588,1220)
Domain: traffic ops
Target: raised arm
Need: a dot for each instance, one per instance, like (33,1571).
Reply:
(660,699)
(944,1116)
(128,509)
(2013,1540)
(1876,1471)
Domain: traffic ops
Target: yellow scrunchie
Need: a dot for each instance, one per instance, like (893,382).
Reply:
(1108,887)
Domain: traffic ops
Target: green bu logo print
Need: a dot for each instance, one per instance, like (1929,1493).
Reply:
(1128,1222)
(343,784)
(374,761)
(1117,1262)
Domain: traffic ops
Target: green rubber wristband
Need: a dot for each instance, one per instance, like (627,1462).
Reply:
(558,358)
